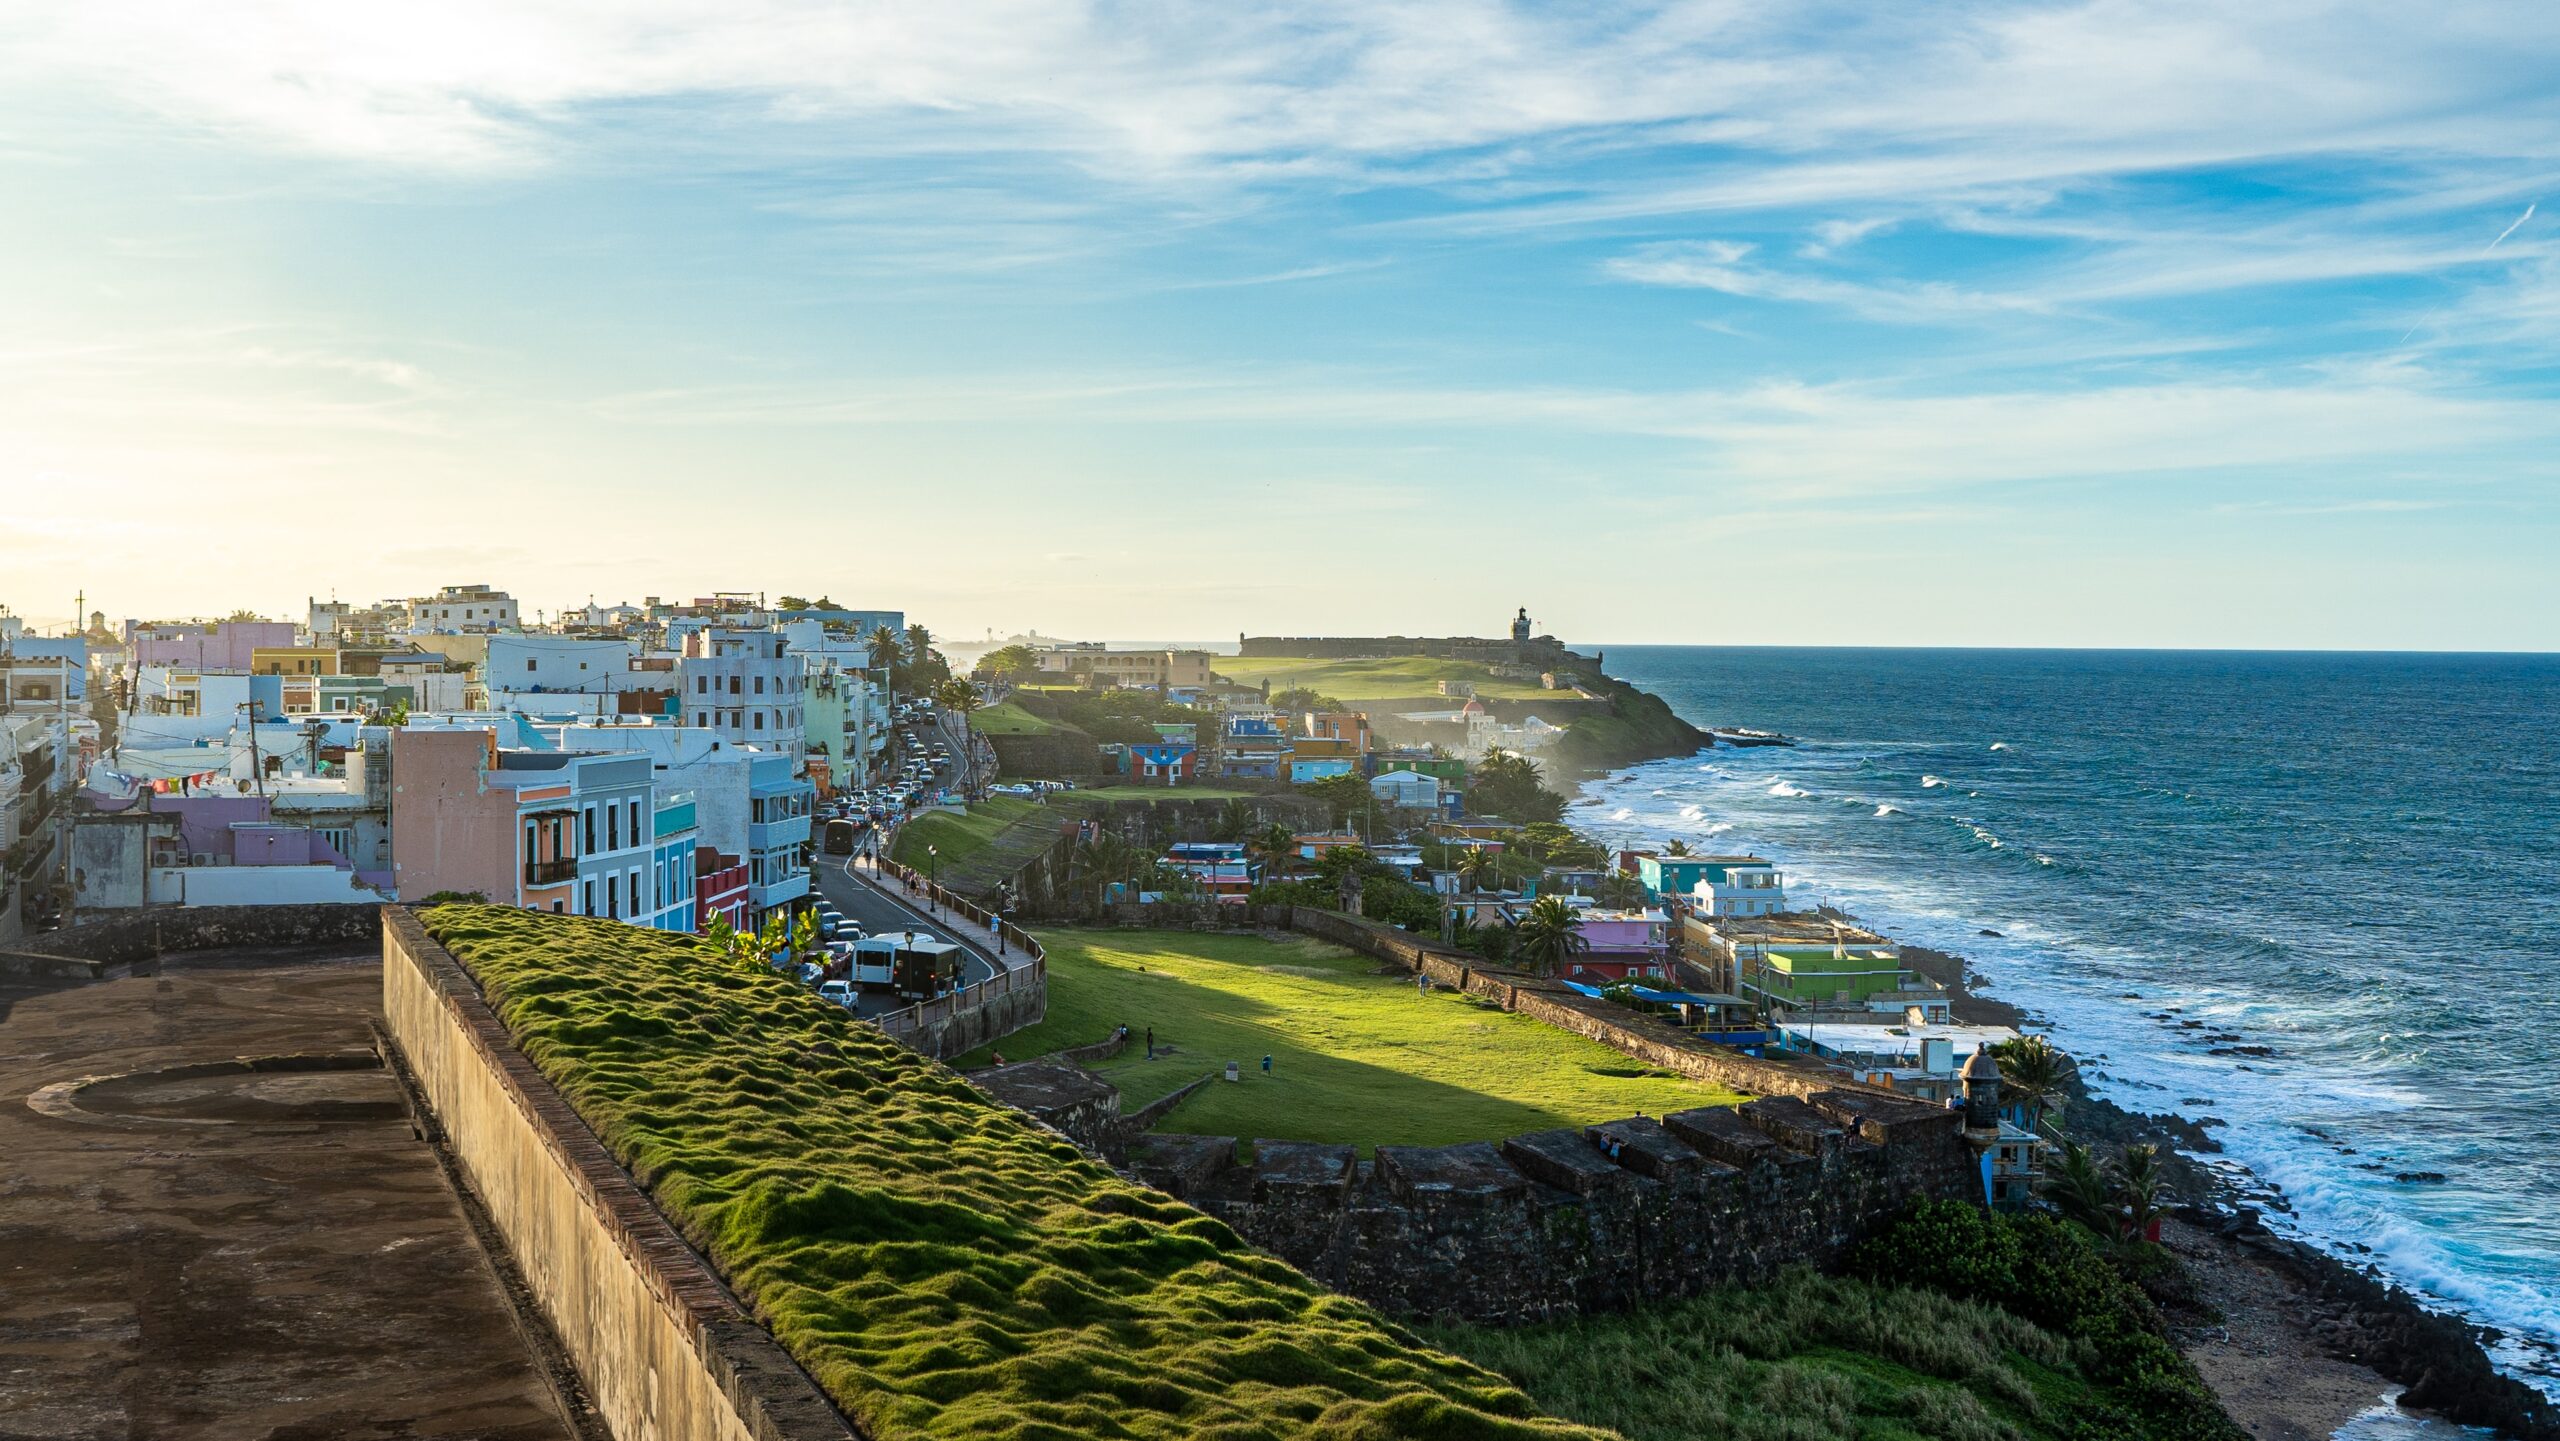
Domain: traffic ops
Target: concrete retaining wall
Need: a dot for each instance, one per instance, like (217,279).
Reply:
(665,1351)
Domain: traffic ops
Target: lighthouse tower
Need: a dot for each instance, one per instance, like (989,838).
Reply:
(1520,627)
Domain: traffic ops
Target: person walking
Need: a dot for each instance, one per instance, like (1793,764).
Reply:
(1151,1043)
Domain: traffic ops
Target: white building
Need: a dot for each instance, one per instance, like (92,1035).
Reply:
(746,687)
(548,663)
(1740,888)
(464,608)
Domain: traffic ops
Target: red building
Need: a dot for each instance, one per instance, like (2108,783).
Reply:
(719,888)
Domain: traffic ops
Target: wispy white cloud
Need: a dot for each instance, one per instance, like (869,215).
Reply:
(1722,265)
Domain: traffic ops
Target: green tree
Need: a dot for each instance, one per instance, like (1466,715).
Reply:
(885,650)
(2077,1187)
(1276,846)
(963,698)
(1549,935)
(1618,891)
(919,643)
(1676,848)
(1299,698)
(1008,665)
(1476,867)
(2136,1180)
(1511,786)
(791,602)
(1235,820)
(2033,1070)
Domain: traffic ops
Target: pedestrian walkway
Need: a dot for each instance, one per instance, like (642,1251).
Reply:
(961,920)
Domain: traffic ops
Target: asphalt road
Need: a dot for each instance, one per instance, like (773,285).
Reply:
(875,913)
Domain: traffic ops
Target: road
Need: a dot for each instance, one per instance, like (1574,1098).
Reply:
(875,913)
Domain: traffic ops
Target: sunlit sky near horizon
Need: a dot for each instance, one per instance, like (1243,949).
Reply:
(2058,324)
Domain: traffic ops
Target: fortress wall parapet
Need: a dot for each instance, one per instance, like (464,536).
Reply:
(663,1348)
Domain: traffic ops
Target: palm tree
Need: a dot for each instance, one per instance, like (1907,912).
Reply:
(919,643)
(1276,845)
(1676,848)
(1489,941)
(883,645)
(2137,1179)
(2078,1188)
(1476,866)
(1235,820)
(1618,890)
(1549,935)
(962,696)
(2033,1070)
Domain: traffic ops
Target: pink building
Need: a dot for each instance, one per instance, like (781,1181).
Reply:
(1622,945)
(214,645)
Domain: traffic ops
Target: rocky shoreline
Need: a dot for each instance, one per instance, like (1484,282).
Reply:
(2295,1341)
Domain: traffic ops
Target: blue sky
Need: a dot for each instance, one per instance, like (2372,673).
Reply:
(2100,324)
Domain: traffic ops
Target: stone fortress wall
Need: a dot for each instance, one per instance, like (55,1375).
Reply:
(1562,1222)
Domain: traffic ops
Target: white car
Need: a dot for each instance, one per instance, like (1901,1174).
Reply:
(840,992)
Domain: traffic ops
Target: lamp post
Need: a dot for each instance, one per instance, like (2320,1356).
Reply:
(932,873)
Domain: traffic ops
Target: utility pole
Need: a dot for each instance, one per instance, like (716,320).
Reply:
(257,766)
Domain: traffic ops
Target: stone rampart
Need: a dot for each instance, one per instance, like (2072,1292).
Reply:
(1563,1222)
(94,947)
(663,1348)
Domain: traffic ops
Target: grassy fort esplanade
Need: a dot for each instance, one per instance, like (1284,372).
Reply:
(1357,1055)
(939,1265)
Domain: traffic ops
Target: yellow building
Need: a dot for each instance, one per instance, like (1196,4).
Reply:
(293,660)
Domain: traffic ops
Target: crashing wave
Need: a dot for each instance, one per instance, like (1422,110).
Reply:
(1785,788)
(1999,745)
(1891,811)
(1928,783)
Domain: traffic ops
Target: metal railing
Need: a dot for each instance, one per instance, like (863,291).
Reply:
(550,873)
(1032,971)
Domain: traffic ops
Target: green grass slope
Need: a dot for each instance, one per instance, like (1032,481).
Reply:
(1356,1056)
(980,850)
(1011,720)
(1807,1358)
(1392,677)
(940,1266)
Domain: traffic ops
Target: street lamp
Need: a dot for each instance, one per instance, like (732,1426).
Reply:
(932,871)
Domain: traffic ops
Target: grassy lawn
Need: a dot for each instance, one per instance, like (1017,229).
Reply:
(1011,720)
(1164,793)
(1356,1056)
(1376,678)
(939,1265)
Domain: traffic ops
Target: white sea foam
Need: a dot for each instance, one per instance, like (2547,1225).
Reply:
(1891,811)
(1930,783)
(1784,788)
(1986,837)
(1999,745)
(1620,814)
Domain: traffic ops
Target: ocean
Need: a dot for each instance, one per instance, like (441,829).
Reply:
(2351,861)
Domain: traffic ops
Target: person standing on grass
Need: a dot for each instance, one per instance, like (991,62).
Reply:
(1151,1043)
(1421,984)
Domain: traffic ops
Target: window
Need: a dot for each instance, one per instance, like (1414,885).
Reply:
(613,828)
(590,832)
(528,662)
(635,893)
(759,720)
(759,685)
(612,900)
(587,899)
(701,683)
(702,720)
(635,823)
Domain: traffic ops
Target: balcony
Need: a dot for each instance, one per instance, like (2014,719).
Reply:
(550,873)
